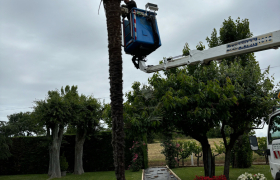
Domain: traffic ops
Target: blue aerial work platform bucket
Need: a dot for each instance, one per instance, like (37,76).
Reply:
(140,33)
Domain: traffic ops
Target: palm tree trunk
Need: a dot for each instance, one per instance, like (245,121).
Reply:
(112,9)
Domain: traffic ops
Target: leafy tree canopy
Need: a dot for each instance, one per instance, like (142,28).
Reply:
(5,141)
(229,32)
(143,112)
(24,124)
(233,93)
(89,115)
(195,100)
(58,107)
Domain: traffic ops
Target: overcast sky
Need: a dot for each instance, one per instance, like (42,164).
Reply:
(47,44)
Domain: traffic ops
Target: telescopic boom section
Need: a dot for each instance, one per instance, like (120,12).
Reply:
(254,44)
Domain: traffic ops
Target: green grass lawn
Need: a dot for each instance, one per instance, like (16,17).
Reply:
(189,173)
(186,173)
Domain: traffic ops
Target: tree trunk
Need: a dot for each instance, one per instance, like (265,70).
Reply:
(80,139)
(213,165)
(198,156)
(233,157)
(227,163)
(266,158)
(55,150)
(178,160)
(145,153)
(50,152)
(207,154)
(229,147)
(50,161)
(48,131)
(112,10)
(207,159)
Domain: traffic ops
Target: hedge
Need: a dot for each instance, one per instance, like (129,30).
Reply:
(30,155)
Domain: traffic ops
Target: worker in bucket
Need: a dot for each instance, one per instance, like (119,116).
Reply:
(129,5)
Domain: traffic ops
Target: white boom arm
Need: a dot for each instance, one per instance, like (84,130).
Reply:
(254,44)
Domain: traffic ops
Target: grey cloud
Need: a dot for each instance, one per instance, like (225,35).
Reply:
(47,44)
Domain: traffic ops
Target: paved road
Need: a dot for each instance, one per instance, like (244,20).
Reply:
(158,173)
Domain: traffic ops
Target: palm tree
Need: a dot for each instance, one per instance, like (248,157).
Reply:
(113,13)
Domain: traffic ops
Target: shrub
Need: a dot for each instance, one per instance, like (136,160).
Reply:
(170,151)
(63,163)
(137,157)
(248,176)
(242,155)
(262,148)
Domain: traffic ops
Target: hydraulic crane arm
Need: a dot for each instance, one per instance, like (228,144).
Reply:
(254,44)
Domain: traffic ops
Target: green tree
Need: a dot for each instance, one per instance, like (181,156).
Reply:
(216,132)
(253,93)
(143,114)
(262,143)
(251,87)
(113,13)
(194,101)
(25,124)
(229,32)
(187,150)
(219,149)
(70,130)
(241,153)
(197,150)
(55,112)
(5,141)
(89,115)
(107,115)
